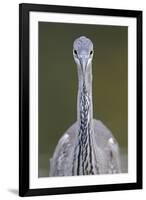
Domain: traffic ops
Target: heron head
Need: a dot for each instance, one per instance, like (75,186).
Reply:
(83,53)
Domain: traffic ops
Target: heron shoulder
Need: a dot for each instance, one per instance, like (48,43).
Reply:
(67,137)
(103,135)
(101,130)
(63,151)
(107,142)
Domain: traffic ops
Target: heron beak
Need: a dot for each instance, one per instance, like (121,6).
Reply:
(83,63)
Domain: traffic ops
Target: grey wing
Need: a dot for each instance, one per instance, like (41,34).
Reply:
(60,162)
(109,146)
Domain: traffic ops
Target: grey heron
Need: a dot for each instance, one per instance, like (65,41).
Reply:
(88,146)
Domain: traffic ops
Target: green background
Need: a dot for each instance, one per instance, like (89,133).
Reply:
(58,83)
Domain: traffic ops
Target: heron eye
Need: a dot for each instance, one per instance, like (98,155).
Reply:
(91,52)
(75,52)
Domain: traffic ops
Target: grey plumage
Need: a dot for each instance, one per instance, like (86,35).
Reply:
(88,146)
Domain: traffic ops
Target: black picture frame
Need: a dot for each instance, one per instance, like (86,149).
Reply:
(24,106)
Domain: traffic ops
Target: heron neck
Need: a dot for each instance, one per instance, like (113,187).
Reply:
(84,97)
(83,152)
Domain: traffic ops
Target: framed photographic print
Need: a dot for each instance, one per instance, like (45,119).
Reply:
(80,99)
